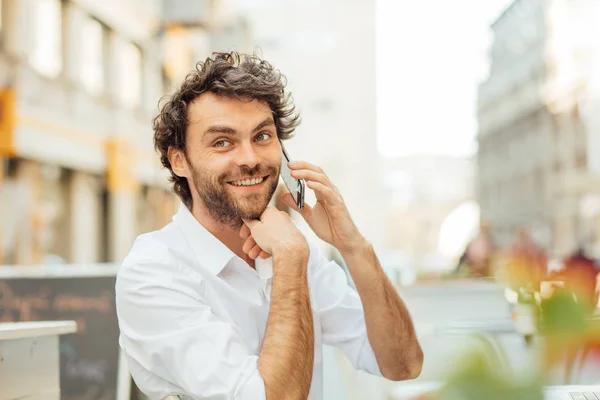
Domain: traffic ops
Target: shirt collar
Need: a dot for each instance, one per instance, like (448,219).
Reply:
(264,268)
(210,252)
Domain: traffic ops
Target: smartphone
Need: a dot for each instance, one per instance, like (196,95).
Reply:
(295,186)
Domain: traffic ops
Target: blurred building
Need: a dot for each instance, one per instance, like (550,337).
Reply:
(534,146)
(423,191)
(80,82)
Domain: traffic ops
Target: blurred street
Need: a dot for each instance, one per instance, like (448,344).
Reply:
(464,137)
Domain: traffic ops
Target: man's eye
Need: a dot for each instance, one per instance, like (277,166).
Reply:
(222,143)
(261,137)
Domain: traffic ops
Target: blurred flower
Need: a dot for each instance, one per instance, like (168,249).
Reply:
(569,331)
(519,270)
(580,274)
(557,307)
(568,328)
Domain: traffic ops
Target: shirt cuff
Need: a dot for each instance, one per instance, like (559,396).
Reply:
(367,361)
(253,389)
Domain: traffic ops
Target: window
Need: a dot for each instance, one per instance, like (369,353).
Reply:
(46,24)
(128,73)
(91,73)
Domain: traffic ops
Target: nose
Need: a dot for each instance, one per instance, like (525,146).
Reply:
(247,156)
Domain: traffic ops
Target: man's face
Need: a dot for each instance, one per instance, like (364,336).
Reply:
(233,155)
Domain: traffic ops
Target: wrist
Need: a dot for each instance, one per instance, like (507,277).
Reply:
(297,248)
(290,252)
(291,261)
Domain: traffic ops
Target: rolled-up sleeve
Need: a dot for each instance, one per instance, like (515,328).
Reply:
(175,336)
(342,317)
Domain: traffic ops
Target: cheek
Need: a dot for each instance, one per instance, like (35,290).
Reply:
(218,160)
(222,172)
(273,156)
(202,174)
(212,164)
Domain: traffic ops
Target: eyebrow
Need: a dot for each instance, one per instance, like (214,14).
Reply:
(220,129)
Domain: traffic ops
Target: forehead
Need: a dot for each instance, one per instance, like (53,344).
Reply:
(209,108)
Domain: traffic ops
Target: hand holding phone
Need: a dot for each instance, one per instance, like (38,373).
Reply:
(295,186)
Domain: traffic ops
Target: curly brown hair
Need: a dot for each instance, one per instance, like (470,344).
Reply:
(225,74)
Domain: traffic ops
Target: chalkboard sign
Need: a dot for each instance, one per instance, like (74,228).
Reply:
(88,358)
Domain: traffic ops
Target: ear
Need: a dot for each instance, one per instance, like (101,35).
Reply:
(178,162)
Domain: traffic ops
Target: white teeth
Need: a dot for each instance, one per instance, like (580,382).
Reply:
(248,182)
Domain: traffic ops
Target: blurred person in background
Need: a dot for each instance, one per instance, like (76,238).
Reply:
(230,300)
(475,262)
(532,259)
(580,274)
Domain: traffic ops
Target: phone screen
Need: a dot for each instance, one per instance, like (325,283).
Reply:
(295,186)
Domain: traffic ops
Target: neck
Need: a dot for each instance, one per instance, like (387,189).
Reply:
(228,235)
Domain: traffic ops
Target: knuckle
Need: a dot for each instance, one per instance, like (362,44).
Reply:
(269,210)
(283,214)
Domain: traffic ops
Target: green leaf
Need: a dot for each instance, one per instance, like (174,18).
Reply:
(562,313)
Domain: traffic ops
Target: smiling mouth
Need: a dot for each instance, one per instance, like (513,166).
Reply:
(249,181)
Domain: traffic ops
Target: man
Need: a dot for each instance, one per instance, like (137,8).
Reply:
(230,300)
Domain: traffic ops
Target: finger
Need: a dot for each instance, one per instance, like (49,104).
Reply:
(289,200)
(248,245)
(323,192)
(264,255)
(251,223)
(309,175)
(254,252)
(269,210)
(244,231)
(296,165)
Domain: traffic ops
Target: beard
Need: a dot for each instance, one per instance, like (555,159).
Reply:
(227,208)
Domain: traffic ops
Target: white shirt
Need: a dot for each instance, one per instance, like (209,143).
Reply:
(193,315)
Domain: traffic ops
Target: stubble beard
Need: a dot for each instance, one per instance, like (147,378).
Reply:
(215,192)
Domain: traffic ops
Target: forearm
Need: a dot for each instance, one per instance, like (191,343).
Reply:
(390,328)
(286,358)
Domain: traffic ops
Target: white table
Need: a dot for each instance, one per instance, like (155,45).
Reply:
(29,359)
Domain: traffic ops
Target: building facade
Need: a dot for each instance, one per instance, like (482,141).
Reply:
(80,82)
(534,149)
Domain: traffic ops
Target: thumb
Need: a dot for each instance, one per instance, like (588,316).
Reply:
(288,199)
